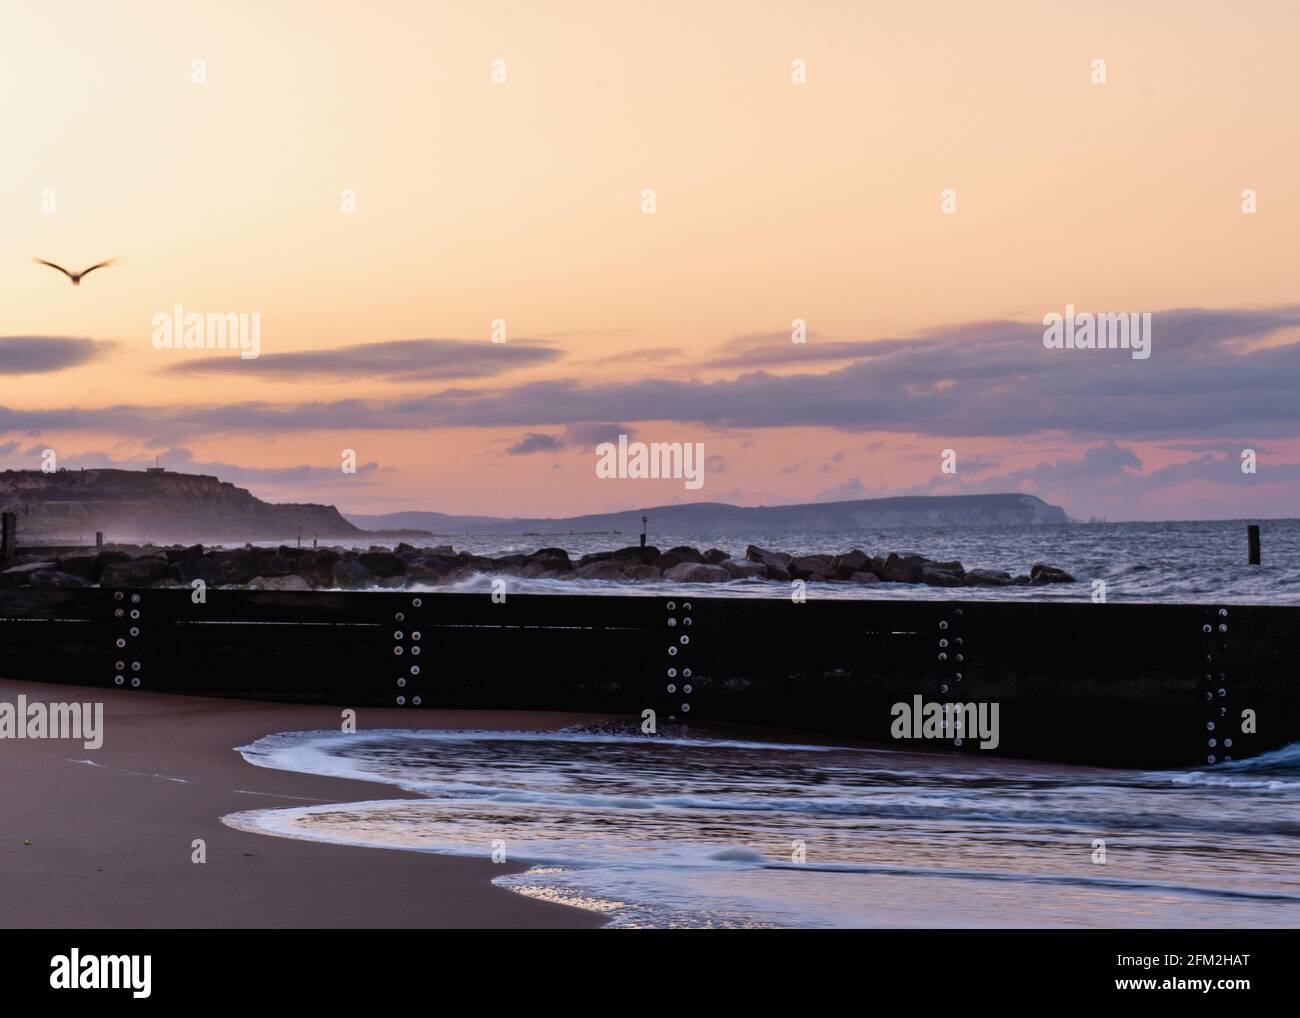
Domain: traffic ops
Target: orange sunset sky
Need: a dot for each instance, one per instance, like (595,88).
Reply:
(521,200)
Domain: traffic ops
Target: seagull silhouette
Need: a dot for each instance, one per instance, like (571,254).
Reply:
(75,277)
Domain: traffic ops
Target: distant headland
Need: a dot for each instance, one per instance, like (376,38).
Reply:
(160,506)
(722,518)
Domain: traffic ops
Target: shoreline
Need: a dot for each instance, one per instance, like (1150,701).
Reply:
(111,830)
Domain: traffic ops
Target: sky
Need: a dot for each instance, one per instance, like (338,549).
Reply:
(642,200)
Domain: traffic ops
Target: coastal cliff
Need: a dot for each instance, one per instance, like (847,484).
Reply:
(154,505)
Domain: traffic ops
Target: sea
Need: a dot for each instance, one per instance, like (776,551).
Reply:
(1200,561)
(689,829)
(723,828)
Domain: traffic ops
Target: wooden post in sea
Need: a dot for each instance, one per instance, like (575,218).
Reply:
(1252,537)
(642,531)
(99,539)
(8,535)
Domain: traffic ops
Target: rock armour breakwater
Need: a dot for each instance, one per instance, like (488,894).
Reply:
(293,568)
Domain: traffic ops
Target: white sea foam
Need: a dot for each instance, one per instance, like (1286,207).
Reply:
(700,831)
(1275,771)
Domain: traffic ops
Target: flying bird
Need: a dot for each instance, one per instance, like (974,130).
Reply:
(75,276)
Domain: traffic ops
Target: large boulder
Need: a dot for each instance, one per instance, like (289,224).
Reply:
(646,556)
(777,563)
(510,564)
(936,574)
(987,578)
(846,565)
(106,558)
(811,567)
(136,572)
(431,565)
(742,569)
(756,554)
(636,571)
(606,569)
(239,565)
(697,572)
(349,574)
(79,565)
(676,556)
(865,578)
(902,568)
(21,576)
(175,555)
(544,562)
(280,564)
(382,563)
(209,570)
(1041,574)
(715,556)
(537,568)
(52,579)
(552,558)
(317,566)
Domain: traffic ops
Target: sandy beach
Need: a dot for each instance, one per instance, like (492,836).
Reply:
(111,841)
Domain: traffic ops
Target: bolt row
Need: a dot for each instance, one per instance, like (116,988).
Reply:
(130,617)
(679,674)
(951,655)
(406,644)
(1215,689)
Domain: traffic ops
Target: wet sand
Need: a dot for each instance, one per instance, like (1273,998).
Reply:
(111,843)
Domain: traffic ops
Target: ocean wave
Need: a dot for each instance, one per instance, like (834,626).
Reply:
(1267,771)
(1050,879)
(677,829)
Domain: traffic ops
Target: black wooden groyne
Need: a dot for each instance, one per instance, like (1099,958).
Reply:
(1152,686)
